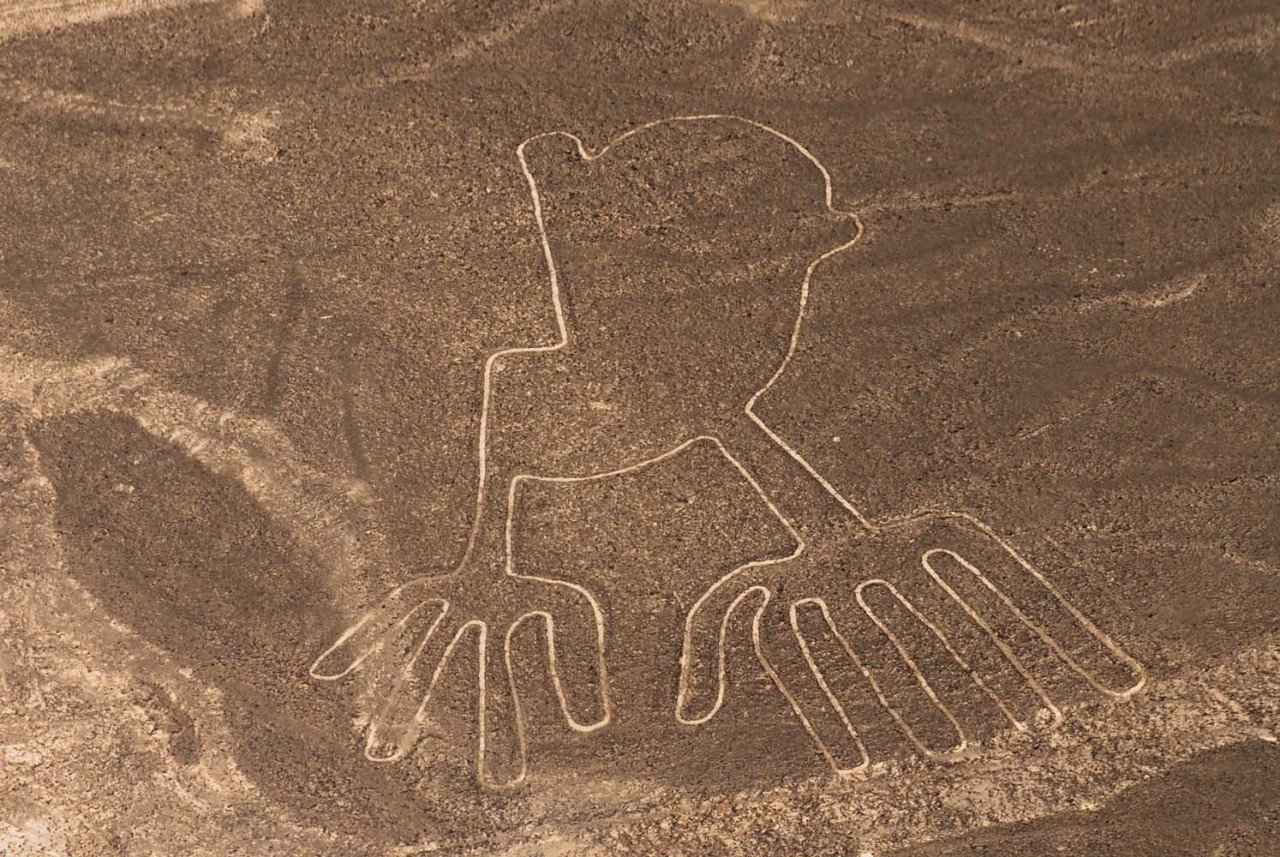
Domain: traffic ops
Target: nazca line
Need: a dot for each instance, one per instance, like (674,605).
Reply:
(800,545)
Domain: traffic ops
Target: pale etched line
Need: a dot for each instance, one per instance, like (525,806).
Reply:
(1101,636)
(1009,655)
(481,629)
(199,446)
(1168,297)
(946,644)
(870,678)
(836,704)
(1135,667)
(906,658)
(1029,434)
(1249,562)
(549,623)
(1098,401)
(382,639)
(686,648)
(836,494)
(406,674)
(440,666)
(686,654)
(763,658)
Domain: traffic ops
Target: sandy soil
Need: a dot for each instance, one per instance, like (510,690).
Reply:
(990,566)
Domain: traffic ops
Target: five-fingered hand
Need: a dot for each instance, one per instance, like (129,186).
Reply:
(404,644)
(939,599)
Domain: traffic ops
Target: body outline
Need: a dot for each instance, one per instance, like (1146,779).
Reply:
(490,366)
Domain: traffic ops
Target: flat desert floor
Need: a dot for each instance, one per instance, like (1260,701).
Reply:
(589,428)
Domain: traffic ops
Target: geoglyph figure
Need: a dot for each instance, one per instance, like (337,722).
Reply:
(680,259)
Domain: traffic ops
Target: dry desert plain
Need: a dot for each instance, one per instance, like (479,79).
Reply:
(593,428)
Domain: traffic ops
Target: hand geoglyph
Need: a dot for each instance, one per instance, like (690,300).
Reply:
(680,258)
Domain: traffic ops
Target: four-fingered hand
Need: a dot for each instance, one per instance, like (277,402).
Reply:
(954,607)
(404,644)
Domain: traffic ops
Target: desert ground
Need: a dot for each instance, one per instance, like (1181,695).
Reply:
(679,428)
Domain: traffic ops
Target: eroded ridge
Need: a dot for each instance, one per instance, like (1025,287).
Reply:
(633,284)
(327,512)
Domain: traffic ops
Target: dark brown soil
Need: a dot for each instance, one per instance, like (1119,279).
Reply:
(1218,802)
(309,218)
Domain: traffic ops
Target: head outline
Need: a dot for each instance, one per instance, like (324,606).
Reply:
(588,156)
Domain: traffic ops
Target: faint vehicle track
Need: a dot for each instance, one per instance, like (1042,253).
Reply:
(247,131)
(20,17)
